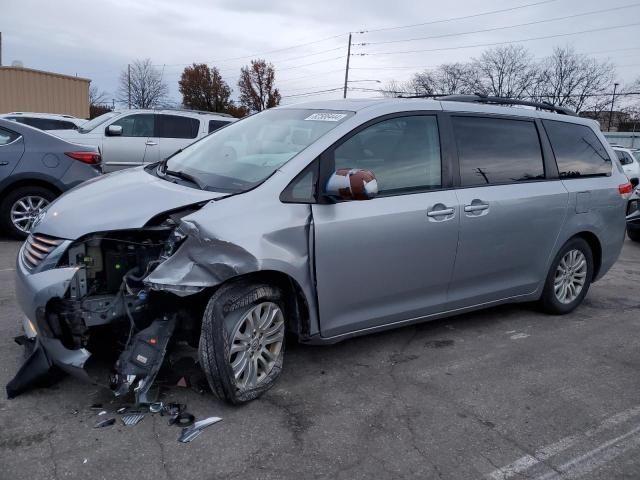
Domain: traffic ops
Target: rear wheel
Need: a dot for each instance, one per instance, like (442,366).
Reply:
(242,341)
(569,277)
(633,234)
(21,207)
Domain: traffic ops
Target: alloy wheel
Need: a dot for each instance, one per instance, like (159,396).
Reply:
(256,344)
(26,210)
(570,277)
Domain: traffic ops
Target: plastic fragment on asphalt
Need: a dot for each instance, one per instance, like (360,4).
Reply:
(190,433)
(105,423)
(132,419)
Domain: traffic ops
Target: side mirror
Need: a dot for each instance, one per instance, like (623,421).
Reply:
(352,184)
(634,182)
(114,130)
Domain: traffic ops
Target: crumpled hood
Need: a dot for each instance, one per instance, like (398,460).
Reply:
(117,201)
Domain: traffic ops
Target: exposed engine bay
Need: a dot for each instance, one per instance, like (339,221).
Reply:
(107,303)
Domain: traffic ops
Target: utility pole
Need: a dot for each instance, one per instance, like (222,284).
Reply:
(0,49)
(613,99)
(129,82)
(346,71)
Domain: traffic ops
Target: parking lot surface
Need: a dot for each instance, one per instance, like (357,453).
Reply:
(502,393)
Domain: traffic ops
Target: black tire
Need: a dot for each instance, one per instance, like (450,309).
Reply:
(549,301)
(11,198)
(633,234)
(225,309)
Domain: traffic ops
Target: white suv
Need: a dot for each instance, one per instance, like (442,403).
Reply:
(629,161)
(45,121)
(135,137)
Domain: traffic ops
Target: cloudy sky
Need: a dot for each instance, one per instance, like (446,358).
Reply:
(306,41)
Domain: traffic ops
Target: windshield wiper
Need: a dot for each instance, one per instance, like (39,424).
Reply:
(185,176)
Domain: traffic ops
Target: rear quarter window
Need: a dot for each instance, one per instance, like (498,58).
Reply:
(216,124)
(7,136)
(578,151)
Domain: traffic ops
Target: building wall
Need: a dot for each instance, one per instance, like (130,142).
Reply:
(26,90)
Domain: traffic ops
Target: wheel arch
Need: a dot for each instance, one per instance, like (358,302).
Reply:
(296,306)
(30,182)
(596,249)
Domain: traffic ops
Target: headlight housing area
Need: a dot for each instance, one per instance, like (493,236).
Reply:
(174,241)
(632,207)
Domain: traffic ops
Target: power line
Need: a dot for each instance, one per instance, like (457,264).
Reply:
(312,93)
(500,43)
(493,29)
(492,12)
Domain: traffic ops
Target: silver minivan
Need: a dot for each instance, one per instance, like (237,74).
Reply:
(323,220)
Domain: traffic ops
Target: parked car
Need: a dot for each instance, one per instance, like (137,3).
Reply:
(134,137)
(35,168)
(45,121)
(329,220)
(629,161)
(633,213)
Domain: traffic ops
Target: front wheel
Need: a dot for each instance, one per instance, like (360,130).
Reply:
(569,278)
(242,340)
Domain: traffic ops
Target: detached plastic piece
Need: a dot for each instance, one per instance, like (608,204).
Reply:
(105,423)
(34,369)
(190,433)
(132,419)
(140,362)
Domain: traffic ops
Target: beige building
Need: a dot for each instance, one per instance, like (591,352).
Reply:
(26,90)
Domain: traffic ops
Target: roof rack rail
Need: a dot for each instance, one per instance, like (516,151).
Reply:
(479,98)
(203,112)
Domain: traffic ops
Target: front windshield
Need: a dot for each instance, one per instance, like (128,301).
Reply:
(91,124)
(245,153)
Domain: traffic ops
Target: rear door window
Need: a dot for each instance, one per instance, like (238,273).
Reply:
(577,149)
(624,157)
(174,126)
(216,124)
(497,150)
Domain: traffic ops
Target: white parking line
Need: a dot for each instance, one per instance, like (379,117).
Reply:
(597,457)
(527,461)
(7,269)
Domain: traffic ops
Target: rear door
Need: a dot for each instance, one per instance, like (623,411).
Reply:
(389,259)
(134,146)
(175,132)
(512,204)
(11,151)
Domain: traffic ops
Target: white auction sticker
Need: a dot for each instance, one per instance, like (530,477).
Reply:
(326,117)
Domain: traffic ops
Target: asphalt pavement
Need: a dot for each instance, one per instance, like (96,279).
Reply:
(503,393)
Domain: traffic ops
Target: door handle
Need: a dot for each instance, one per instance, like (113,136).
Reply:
(476,207)
(151,143)
(4,164)
(440,213)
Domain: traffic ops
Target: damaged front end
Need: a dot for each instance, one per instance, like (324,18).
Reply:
(87,298)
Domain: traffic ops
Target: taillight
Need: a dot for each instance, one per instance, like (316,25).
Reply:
(625,189)
(90,158)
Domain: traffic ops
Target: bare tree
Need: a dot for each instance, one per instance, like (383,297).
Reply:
(256,84)
(506,71)
(573,80)
(456,78)
(144,88)
(97,97)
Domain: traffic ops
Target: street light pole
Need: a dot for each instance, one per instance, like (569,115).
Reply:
(613,99)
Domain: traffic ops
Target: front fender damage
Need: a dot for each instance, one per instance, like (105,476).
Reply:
(201,261)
